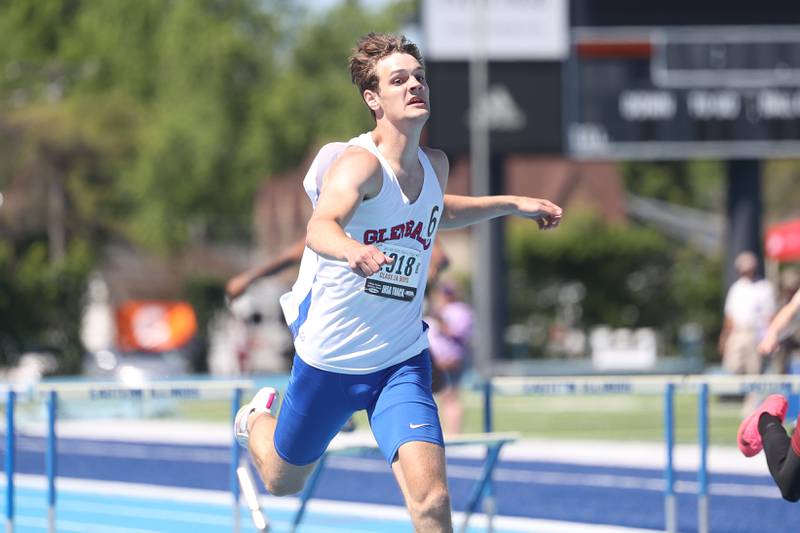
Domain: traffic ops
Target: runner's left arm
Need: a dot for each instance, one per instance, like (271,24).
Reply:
(461,211)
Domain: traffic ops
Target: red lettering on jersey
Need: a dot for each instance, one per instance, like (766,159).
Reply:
(370,236)
(396,232)
(417,231)
(410,229)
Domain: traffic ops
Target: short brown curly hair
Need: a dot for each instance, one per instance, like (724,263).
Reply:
(372,48)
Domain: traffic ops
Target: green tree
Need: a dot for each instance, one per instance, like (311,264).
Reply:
(152,122)
(313,100)
(699,184)
(629,277)
(156,91)
(40,301)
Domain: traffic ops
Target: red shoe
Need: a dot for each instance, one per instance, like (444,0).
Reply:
(749,438)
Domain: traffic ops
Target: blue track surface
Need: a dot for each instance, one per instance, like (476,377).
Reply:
(592,494)
(82,512)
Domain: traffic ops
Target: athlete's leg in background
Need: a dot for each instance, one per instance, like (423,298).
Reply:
(782,460)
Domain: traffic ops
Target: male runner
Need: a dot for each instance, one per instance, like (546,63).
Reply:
(356,308)
(764,427)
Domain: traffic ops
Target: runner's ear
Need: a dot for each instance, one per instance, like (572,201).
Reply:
(372,100)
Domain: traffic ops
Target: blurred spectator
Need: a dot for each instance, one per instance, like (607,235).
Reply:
(788,347)
(288,257)
(98,327)
(262,342)
(248,308)
(749,306)
(781,326)
(450,322)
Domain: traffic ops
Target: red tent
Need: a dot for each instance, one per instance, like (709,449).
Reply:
(782,242)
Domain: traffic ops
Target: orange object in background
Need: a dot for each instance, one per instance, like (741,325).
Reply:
(154,326)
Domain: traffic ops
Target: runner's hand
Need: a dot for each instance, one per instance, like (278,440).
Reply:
(366,260)
(767,344)
(546,214)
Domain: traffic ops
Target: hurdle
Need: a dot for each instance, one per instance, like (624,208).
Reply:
(51,392)
(667,385)
(354,444)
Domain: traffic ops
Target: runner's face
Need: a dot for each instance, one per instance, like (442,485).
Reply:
(402,88)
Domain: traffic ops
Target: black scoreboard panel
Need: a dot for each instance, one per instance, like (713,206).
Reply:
(659,13)
(664,93)
(523,106)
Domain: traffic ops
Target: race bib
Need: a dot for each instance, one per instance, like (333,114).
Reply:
(400,279)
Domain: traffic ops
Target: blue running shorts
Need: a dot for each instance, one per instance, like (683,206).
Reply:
(317,403)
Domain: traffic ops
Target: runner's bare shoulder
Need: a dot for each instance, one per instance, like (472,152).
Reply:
(356,167)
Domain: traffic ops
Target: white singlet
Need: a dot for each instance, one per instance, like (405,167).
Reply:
(343,322)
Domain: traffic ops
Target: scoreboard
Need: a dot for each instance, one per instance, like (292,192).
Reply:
(677,92)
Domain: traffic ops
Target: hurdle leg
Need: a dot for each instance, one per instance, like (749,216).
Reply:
(9,462)
(308,491)
(702,472)
(481,486)
(489,506)
(670,507)
(235,458)
(51,461)
(488,423)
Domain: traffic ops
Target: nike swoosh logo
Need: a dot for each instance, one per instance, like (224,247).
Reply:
(417,426)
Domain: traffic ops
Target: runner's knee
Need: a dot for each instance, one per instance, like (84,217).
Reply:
(434,502)
(283,486)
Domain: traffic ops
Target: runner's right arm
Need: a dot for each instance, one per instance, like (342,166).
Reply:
(354,177)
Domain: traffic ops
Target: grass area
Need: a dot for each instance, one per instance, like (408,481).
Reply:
(603,417)
(606,417)
(206,410)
